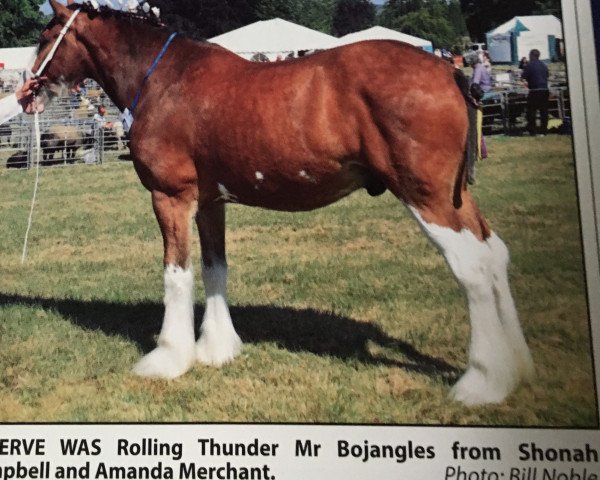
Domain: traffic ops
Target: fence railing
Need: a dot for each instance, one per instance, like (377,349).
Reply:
(72,131)
(505,111)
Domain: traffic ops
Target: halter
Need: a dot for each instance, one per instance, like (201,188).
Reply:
(62,34)
(150,70)
(126,116)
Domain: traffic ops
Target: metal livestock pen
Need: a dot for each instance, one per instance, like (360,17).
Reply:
(71,131)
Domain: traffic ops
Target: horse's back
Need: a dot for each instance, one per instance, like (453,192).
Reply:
(382,80)
(319,127)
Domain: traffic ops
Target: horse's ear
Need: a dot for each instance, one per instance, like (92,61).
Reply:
(59,9)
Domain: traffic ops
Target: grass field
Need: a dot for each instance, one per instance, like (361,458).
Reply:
(348,314)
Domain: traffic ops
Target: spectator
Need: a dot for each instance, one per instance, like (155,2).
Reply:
(536,74)
(523,62)
(481,77)
(100,118)
(74,100)
(487,61)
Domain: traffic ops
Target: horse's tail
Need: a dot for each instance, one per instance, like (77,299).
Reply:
(470,152)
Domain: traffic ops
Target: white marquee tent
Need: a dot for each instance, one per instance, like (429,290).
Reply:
(273,37)
(534,23)
(18,58)
(514,39)
(382,33)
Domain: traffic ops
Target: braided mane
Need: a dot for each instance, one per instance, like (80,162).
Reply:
(103,11)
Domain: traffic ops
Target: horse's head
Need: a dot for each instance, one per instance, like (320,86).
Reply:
(70,62)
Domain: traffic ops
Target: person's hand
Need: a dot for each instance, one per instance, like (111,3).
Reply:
(26,95)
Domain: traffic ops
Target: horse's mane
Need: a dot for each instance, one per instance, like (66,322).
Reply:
(103,11)
(138,17)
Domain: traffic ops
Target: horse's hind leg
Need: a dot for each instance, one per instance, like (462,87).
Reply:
(174,354)
(506,307)
(218,343)
(498,354)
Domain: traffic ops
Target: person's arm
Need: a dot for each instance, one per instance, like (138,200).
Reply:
(26,96)
(476,75)
(22,100)
(9,107)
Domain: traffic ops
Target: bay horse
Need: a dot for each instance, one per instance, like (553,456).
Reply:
(212,128)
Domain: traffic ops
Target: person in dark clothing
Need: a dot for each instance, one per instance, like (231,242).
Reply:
(523,62)
(535,73)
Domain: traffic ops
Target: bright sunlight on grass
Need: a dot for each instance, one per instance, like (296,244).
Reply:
(348,314)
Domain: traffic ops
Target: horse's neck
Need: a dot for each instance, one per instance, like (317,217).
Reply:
(121,57)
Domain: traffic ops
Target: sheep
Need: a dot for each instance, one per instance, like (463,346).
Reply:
(17,160)
(65,138)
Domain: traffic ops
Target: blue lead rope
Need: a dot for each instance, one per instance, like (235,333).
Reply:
(150,70)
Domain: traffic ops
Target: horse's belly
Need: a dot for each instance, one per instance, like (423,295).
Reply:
(301,189)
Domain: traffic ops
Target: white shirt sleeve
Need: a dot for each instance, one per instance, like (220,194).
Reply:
(9,107)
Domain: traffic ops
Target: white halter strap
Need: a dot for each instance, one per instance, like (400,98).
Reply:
(62,34)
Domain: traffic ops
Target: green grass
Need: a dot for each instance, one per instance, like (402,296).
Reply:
(348,314)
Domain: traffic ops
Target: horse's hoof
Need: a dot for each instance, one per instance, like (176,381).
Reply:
(475,388)
(218,352)
(163,362)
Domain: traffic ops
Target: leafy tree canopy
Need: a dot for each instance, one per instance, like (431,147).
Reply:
(207,18)
(315,14)
(20,23)
(442,21)
(435,20)
(352,16)
(202,19)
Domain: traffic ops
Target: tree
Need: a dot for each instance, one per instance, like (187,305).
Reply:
(425,25)
(352,16)
(21,22)
(202,19)
(396,8)
(548,7)
(285,9)
(435,20)
(315,14)
(456,18)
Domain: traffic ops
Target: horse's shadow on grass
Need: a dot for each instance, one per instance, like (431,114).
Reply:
(297,330)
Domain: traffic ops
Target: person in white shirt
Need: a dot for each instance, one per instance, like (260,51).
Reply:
(23,100)
(100,118)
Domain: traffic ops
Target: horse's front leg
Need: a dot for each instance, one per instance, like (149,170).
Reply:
(175,351)
(218,343)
